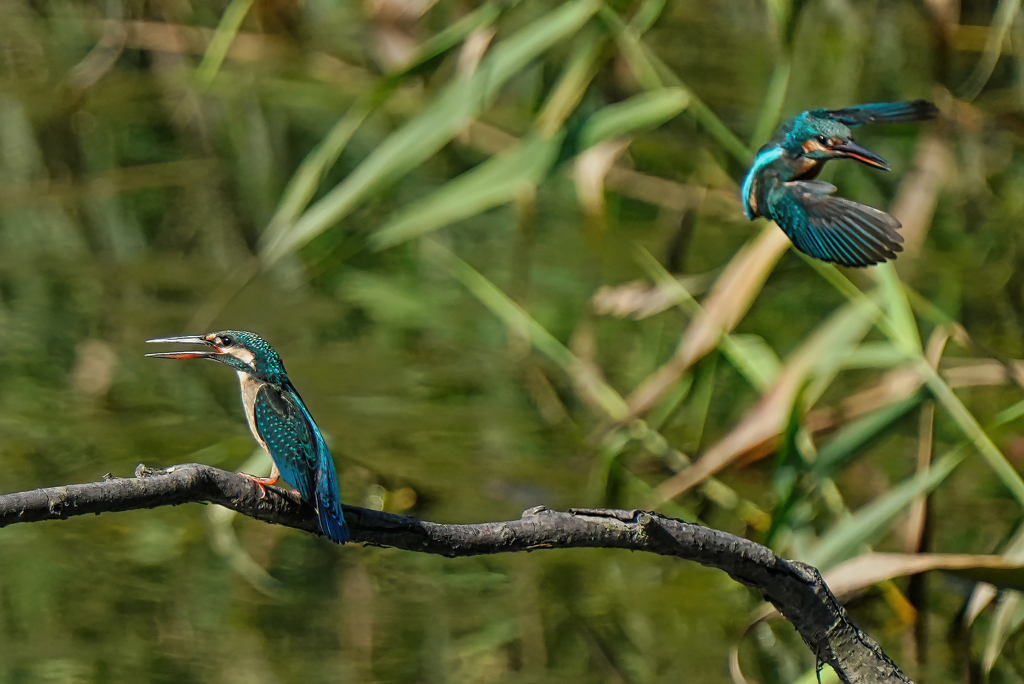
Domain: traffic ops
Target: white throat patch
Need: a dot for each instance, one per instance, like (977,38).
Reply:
(245,356)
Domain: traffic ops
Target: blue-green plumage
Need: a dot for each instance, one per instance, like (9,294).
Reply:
(278,419)
(780,184)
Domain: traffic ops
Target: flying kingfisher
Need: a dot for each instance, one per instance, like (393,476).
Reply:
(780,184)
(278,418)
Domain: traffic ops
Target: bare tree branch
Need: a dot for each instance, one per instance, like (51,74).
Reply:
(796,589)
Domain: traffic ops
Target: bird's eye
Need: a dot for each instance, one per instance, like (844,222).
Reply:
(823,140)
(226,341)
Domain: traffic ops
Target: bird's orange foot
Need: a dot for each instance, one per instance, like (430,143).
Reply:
(261,481)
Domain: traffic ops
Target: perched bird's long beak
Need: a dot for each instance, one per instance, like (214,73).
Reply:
(185,339)
(854,151)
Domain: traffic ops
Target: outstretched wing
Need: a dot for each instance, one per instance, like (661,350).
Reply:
(831,228)
(880,112)
(282,425)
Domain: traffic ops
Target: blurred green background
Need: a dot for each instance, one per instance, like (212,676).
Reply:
(456,222)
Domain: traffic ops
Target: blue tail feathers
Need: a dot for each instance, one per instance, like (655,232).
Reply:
(328,505)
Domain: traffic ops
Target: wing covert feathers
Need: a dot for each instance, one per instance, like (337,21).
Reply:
(832,228)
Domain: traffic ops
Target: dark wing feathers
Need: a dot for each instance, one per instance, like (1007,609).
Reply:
(832,228)
(298,449)
(283,427)
(881,112)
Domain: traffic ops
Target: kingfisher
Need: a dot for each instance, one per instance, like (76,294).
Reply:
(278,418)
(780,184)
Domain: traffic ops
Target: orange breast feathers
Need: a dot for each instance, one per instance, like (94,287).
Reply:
(807,168)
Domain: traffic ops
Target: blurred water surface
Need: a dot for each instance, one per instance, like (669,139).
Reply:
(140,169)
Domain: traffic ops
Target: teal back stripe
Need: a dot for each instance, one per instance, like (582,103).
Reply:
(763,160)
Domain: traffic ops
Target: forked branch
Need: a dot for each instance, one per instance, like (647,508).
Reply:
(796,589)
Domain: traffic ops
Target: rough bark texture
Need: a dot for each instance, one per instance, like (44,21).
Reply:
(796,589)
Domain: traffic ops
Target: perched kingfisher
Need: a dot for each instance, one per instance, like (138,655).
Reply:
(278,418)
(780,184)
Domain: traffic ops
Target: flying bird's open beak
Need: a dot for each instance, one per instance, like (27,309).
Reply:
(185,339)
(854,151)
